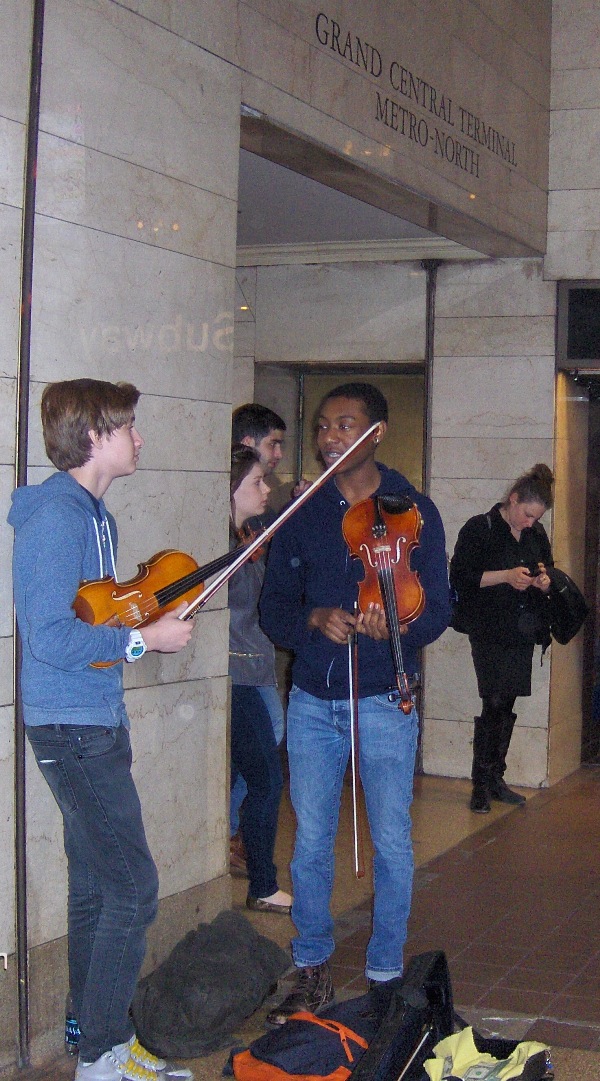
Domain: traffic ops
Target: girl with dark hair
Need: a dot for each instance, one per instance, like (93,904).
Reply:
(254,752)
(499,573)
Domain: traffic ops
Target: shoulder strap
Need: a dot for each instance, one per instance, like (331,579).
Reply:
(345,1034)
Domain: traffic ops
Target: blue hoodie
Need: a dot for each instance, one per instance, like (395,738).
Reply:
(309,566)
(62,535)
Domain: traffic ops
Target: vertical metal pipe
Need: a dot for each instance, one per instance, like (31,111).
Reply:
(23,384)
(300,424)
(430,266)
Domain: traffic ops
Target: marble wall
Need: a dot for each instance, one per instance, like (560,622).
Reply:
(133,279)
(573,249)
(488,67)
(494,339)
(13,101)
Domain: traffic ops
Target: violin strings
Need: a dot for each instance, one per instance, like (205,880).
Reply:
(176,589)
(391,609)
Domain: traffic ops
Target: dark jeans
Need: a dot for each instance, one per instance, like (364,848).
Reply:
(113,882)
(254,755)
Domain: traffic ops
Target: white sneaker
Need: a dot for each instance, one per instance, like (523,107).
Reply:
(166,1071)
(105,1068)
(134,1071)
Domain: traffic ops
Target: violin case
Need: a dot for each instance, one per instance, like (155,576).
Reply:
(385,1035)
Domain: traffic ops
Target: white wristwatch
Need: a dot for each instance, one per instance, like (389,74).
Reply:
(136,647)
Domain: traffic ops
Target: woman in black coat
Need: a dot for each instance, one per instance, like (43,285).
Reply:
(499,573)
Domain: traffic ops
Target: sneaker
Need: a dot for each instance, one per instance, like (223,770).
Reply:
(134,1071)
(480,800)
(313,992)
(105,1068)
(500,791)
(159,1069)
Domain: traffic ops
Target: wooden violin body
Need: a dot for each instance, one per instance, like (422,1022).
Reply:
(171,576)
(167,578)
(382,531)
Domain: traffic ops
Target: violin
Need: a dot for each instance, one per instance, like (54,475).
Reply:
(382,531)
(160,584)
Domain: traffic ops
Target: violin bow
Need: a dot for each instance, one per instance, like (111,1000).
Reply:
(359,860)
(267,533)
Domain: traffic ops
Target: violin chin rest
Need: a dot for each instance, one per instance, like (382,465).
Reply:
(395,504)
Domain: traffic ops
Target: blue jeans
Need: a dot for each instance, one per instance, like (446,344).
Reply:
(239,788)
(254,755)
(113,882)
(318,733)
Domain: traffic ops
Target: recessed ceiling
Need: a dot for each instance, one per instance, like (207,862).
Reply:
(279,206)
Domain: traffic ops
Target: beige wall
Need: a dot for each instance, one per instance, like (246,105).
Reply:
(492,418)
(574,181)
(564,750)
(487,65)
(134,278)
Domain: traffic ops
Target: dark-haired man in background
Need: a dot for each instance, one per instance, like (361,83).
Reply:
(261,428)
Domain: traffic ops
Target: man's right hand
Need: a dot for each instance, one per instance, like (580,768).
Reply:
(334,623)
(300,487)
(169,634)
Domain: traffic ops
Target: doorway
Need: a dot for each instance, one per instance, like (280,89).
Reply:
(295,394)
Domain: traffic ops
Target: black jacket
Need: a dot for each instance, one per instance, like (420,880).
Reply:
(501,613)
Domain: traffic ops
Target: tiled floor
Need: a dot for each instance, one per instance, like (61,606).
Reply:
(520,915)
(512,897)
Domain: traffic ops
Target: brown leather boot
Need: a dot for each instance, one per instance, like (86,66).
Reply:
(313,991)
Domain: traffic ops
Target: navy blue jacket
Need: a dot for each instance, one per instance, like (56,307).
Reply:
(309,566)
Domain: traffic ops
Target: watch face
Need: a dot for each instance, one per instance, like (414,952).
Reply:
(136,646)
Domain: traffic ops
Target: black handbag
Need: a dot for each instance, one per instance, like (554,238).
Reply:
(568,607)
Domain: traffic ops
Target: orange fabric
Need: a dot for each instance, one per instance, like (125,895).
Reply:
(248,1068)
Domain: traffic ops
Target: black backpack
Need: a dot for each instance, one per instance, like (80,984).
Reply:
(213,979)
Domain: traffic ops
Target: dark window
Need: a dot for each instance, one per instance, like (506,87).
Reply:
(583,335)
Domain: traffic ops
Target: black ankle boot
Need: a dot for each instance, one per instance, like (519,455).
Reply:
(500,791)
(480,800)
